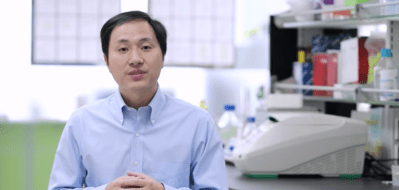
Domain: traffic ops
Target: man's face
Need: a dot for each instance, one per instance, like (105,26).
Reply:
(134,57)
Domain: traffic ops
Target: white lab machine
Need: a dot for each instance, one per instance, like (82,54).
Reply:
(303,144)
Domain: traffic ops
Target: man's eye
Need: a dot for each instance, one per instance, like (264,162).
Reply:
(123,49)
(146,47)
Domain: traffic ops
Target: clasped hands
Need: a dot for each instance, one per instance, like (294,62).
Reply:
(135,181)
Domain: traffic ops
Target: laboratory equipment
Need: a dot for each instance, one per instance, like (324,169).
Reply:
(386,76)
(303,143)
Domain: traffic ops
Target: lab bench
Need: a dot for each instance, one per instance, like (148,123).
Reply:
(237,181)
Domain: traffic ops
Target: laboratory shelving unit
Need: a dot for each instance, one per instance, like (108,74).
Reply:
(364,14)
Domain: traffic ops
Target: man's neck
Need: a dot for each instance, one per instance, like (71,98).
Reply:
(137,99)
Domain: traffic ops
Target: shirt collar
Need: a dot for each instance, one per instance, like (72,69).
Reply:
(156,104)
(119,102)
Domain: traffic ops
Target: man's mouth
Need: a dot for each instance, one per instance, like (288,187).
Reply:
(136,72)
(137,75)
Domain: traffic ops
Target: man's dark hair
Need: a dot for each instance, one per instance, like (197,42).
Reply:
(121,18)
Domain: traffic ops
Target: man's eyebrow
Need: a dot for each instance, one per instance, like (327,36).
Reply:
(123,41)
(145,39)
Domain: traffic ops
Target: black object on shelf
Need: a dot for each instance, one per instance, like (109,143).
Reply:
(283,50)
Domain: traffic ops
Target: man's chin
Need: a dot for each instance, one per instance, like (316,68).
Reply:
(137,88)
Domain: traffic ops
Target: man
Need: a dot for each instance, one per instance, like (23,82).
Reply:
(138,137)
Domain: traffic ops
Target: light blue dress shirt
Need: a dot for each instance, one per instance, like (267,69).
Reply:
(170,140)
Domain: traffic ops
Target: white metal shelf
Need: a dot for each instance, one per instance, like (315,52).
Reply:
(331,99)
(311,12)
(311,87)
(345,24)
(364,16)
(327,99)
(379,90)
(342,8)
(355,89)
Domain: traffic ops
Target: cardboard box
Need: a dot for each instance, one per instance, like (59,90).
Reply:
(353,65)
(307,77)
(332,64)
(320,66)
(303,73)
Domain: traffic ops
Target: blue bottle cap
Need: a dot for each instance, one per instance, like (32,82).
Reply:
(229,107)
(386,52)
(250,119)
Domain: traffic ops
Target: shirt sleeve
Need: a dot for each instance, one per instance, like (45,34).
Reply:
(68,171)
(208,169)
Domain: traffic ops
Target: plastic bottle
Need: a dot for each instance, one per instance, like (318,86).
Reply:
(373,44)
(298,69)
(385,76)
(228,124)
(249,127)
(303,72)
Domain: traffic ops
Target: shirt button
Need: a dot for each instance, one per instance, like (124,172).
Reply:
(152,121)
(137,134)
(136,163)
(121,120)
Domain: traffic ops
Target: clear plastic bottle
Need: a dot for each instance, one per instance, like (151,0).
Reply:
(249,127)
(385,76)
(228,124)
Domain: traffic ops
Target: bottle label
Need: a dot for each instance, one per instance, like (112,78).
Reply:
(387,81)
(227,133)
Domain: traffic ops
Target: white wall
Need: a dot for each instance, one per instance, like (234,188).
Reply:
(235,86)
(255,13)
(49,92)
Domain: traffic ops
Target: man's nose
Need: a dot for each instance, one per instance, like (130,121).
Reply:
(135,58)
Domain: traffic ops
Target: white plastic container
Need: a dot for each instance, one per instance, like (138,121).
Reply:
(228,124)
(386,76)
(249,127)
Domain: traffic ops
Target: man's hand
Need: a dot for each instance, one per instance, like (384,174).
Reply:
(120,182)
(143,181)
(133,181)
